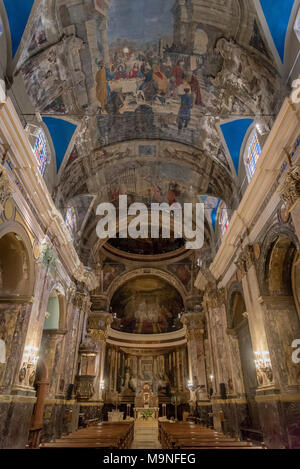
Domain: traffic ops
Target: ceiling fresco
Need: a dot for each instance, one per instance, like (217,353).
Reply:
(146,305)
(148,86)
(138,69)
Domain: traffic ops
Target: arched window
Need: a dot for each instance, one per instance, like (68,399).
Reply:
(70,220)
(223,217)
(40,146)
(40,150)
(252,154)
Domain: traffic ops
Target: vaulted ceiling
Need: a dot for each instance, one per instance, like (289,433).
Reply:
(108,79)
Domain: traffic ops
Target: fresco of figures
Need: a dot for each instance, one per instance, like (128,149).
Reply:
(146,305)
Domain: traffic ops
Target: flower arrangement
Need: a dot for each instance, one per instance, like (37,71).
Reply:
(146,414)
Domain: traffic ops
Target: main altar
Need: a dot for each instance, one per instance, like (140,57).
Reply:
(146,404)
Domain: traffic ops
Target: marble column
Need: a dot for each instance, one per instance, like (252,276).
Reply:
(196,357)
(98,324)
(214,305)
(51,353)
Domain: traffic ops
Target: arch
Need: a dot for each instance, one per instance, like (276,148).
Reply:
(56,308)
(71,220)
(223,218)
(252,153)
(278,251)
(235,292)
(145,272)
(17,276)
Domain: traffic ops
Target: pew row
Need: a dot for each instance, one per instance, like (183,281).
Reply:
(105,435)
(188,435)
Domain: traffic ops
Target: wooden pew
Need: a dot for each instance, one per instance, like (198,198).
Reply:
(117,435)
(188,435)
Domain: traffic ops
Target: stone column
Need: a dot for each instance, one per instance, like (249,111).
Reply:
(196,357)
(51,353)
(214,305)
(290,194)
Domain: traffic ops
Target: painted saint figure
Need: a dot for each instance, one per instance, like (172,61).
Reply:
(186,105)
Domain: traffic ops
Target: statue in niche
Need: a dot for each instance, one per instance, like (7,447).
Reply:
(133,382)
(163,382)
(126,379)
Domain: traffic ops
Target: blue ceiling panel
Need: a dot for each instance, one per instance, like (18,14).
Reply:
(234,133)
(18,12)
(61,132)
(277,15)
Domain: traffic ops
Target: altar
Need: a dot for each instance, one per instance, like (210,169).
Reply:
(146,404)
(146,413)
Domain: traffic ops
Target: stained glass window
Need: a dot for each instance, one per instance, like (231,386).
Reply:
(223,218)
(70,220)
(40,150)
(252,155)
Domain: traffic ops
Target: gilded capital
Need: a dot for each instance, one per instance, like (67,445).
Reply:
(290,191)
(245,260)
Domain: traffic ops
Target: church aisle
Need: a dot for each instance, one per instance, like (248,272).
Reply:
(146,436)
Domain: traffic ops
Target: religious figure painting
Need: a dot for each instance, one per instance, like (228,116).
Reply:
(147,305)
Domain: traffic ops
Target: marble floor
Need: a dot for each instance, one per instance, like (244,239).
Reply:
(146,436)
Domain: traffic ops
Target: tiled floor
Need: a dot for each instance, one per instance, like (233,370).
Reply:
(146,436)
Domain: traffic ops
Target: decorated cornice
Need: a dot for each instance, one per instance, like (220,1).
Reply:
(5,187)
(82,301)
(98,325)
(290,191)
(193,322)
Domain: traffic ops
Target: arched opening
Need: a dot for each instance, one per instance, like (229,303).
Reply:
(146,305)
(14,266)
(281,273)
(70,220)
(16,282)
(223,218)
(252,154)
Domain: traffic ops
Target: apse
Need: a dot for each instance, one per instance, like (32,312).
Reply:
(146,305)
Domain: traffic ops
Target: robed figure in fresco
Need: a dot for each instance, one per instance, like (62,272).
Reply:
(186,105)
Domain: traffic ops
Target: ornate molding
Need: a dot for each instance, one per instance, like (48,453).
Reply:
(290,191)
(194,325)
(98,324)
(82,301)
(5,187)
(214,297)
(245,260)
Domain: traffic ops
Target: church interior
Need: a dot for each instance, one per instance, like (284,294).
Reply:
(144,342)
